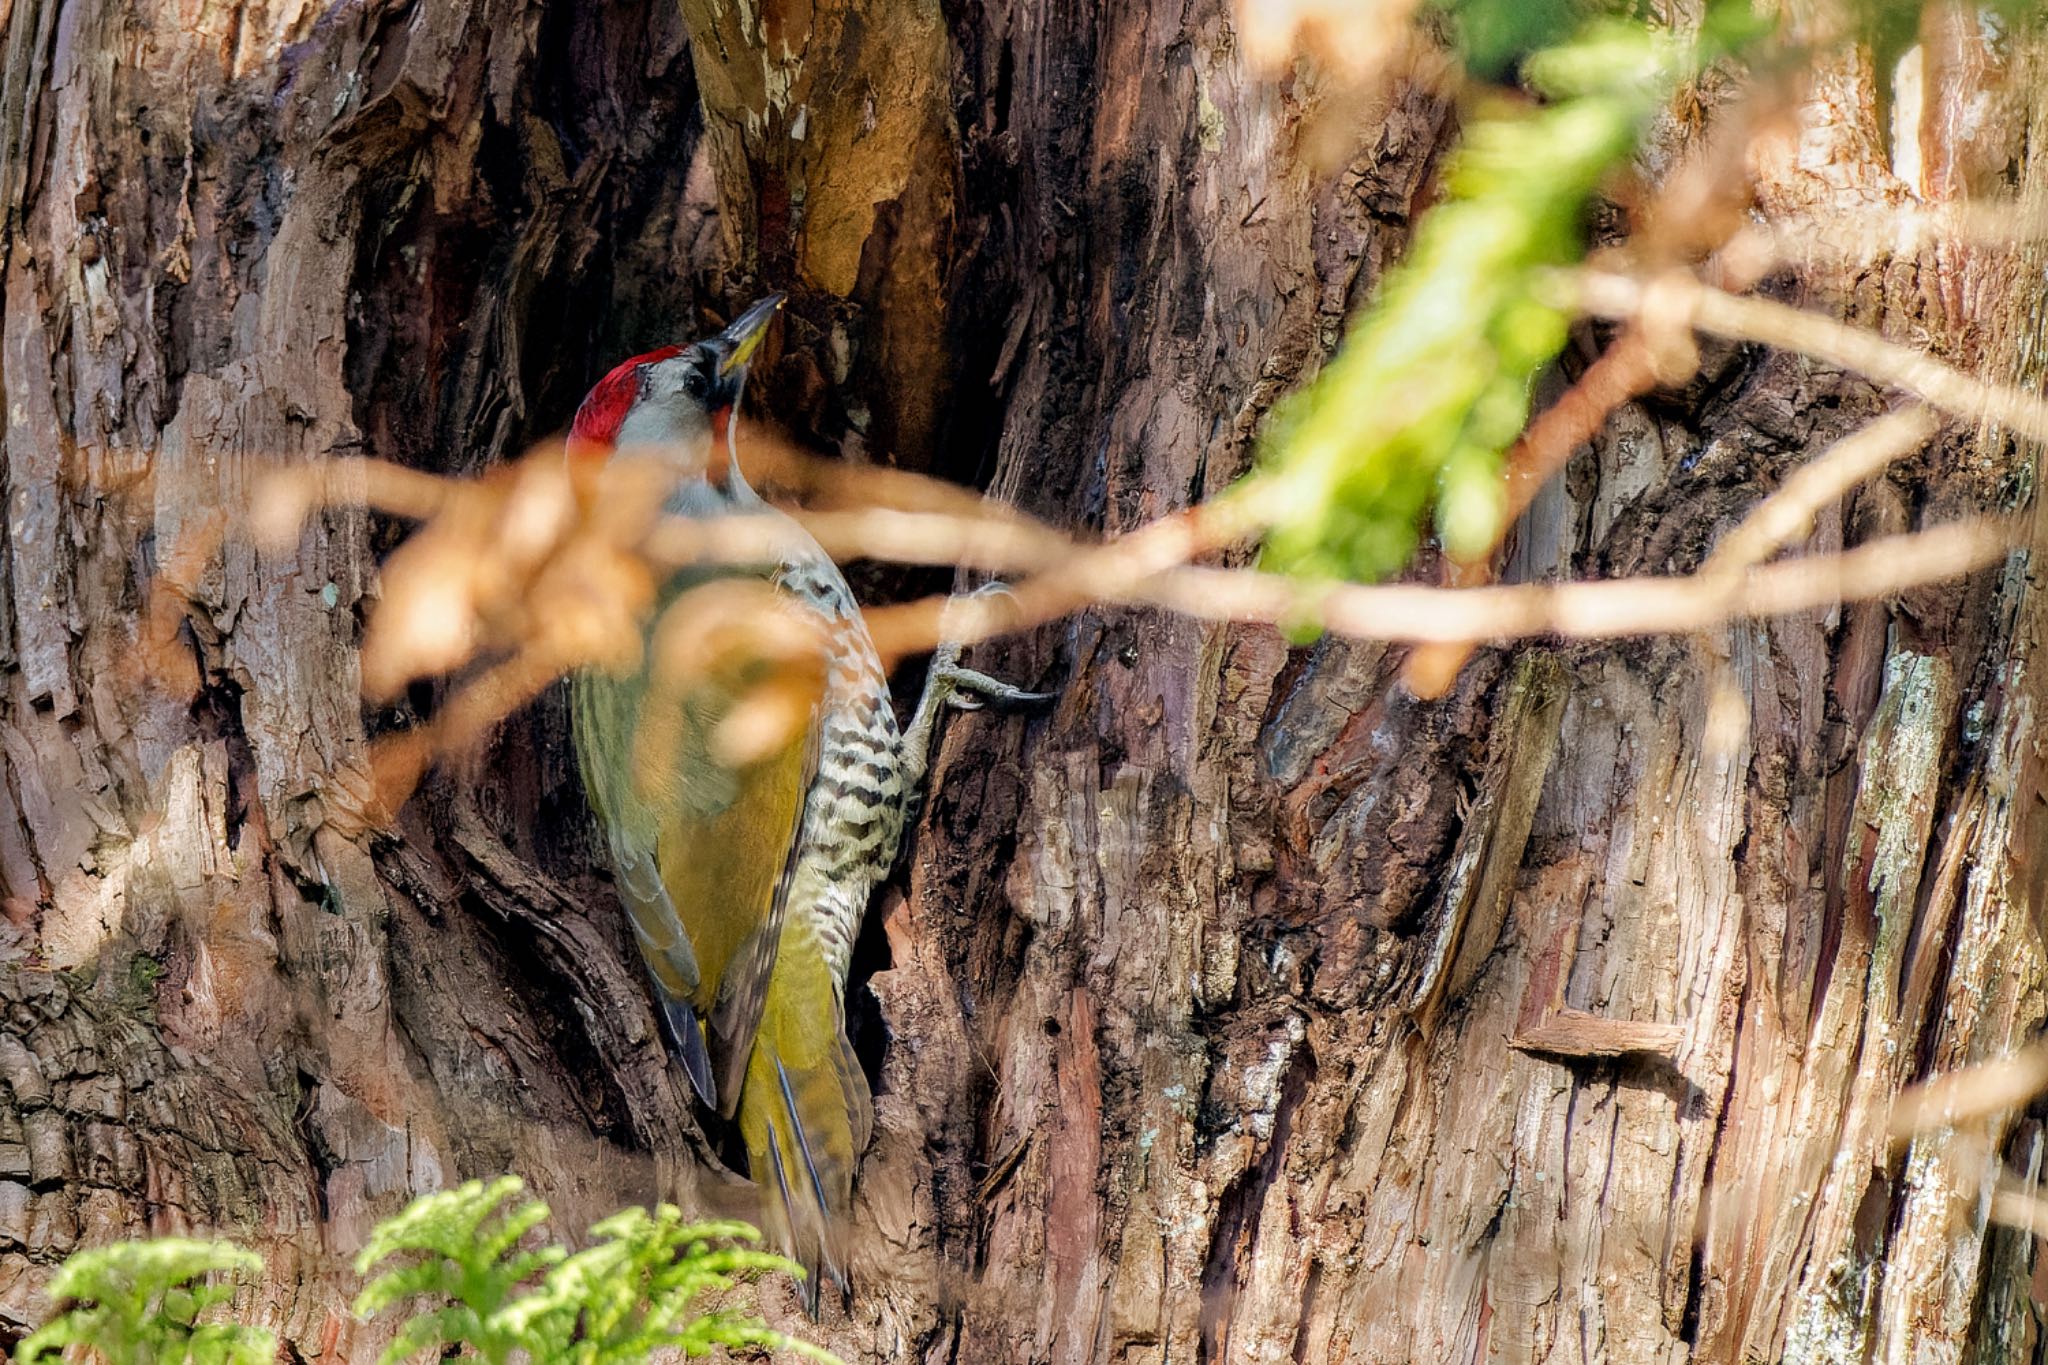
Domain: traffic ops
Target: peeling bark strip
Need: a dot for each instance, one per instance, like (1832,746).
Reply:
(1244,1009)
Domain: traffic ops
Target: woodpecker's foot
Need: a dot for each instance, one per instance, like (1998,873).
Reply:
(963,689)
(949,686)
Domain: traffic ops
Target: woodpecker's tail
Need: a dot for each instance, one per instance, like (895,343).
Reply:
(806,1116)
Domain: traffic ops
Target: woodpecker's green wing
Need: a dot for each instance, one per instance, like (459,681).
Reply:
(701,852)
(604,712)
(670,958)
(729,871)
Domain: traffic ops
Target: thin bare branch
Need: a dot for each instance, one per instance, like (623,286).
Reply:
(534,572)
(1358,36)
(289,493)
(969,540)
(1890,230)
(1745,317)
(1414,612)
(2018,1208)
(1597,610)
(786,473)
(1787,515)
(1152,566)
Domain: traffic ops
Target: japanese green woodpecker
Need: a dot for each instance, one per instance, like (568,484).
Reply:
(746,884)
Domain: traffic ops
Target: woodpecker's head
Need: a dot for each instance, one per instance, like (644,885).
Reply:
(674,404)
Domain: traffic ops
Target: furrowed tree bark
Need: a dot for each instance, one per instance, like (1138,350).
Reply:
(1240,1009)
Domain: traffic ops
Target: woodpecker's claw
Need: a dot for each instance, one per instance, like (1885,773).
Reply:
(950,687)
(968,690)
(965,689)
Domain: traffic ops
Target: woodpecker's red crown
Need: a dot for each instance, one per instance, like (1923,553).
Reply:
(605,406)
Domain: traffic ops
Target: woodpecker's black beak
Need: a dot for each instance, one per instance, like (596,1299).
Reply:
(736,345)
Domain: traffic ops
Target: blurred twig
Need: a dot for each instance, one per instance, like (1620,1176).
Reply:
(1414,612)
(1787,514)
(1958,1104)
(1676,299)
(1893,230)
(532,572)
(1746,317)
(1596,610)
(785,473)
(1151,566)
(286,500)
(1355,36)
(2020,1208)
(166,663)
(1127,569)
(728,629)
(1972,1093)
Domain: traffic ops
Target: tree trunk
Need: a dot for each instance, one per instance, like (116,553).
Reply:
(1242,1009)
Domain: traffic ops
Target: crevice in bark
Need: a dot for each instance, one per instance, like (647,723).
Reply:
(866,1027)
(1239,1214)
(320,1161)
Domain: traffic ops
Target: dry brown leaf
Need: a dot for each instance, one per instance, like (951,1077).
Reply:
(1354,36)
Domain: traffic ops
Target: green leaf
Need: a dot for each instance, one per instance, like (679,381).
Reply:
(140,1301)
(1431,384)
(458,1263)
(454,1260)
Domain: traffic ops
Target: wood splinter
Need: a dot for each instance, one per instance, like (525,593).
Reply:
(1567,1033)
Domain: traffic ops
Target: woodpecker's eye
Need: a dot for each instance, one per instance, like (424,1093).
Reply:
(696,383)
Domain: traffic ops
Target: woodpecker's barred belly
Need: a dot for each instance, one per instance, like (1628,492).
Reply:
(853,813)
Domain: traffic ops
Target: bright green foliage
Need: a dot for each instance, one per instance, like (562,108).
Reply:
(139,1303)
(1493,34)
(1432,383)
(1889,26)
(456,1259)
(630,1294)
(464,1260)
(459,1264)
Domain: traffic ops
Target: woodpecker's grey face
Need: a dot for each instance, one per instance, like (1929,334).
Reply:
(672,415)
